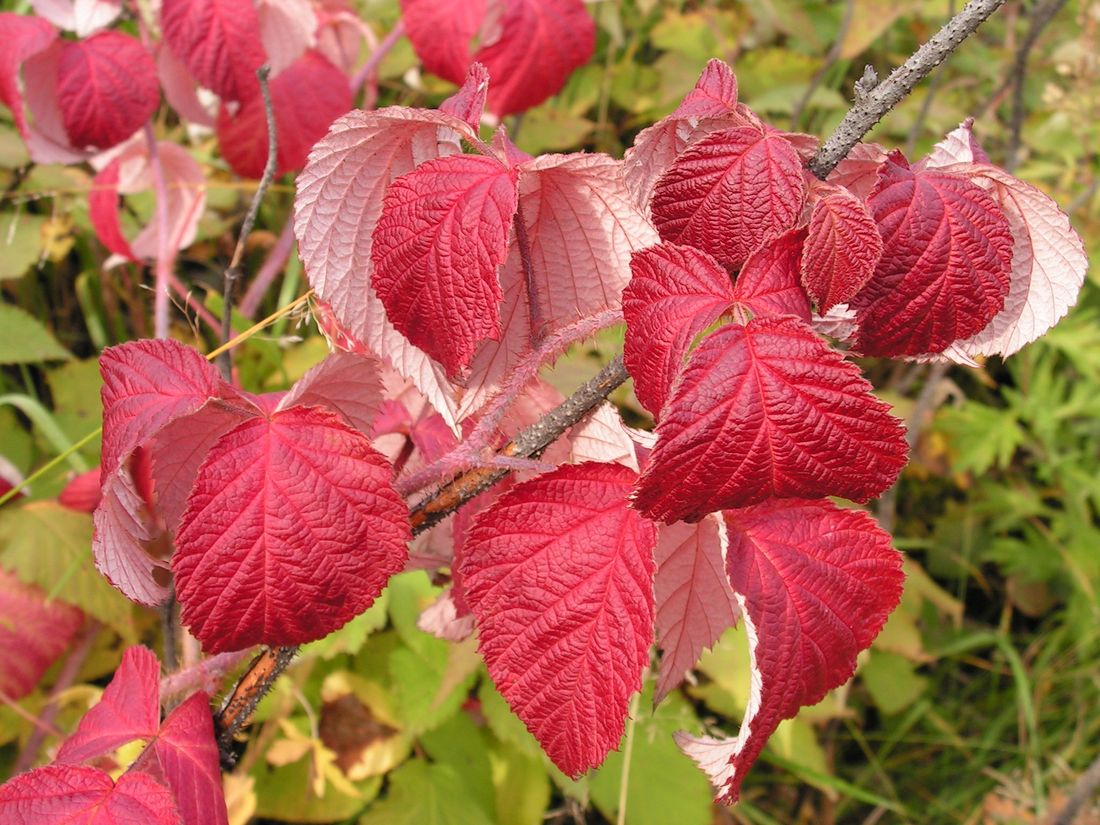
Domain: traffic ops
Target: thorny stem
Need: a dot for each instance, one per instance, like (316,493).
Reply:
(233,271)
(871,108)
(261,675)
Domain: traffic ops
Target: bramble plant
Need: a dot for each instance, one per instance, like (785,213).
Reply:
(448,267)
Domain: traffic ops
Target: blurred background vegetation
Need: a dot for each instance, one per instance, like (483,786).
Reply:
(979,703)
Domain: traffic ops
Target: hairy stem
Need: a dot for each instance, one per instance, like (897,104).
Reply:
(233,271)
(877,102)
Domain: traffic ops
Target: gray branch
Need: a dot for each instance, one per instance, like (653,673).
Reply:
(884,97)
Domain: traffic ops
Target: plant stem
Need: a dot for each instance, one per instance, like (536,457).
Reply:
(233,271)
(164,257)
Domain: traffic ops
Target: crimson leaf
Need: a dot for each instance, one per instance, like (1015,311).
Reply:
(842,249)
(292,529)
(675,294)
(559,575)
(218,41)
(441,32)
(730,192)
(23,37)
(944,272)
(437,247)
(769,282)
(79,795)
(762,410)
(816,584)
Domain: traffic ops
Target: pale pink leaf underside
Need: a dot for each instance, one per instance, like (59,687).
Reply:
(768,410)
(24,36)
(287,29)
(349,383)
(559,575)
(81,16)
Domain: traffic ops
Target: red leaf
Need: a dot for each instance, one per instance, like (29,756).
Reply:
(218,41)
(23,36)
(770,281)
(78,795)
(715,93)
(437,247)
(559,575)
(347,383)
(944,272)
(695,603)
(106,88)
(103,209)
(531,50)
(441,31)
(675,294)
(1048,266)
(337,206)
(468,103)
(82,493)
(729,193)
(842,249)
(129,709)
(292,529)
(816,584)
(858,172)
(33,633)
(306,99)
(146,385)
(763,410)
(187,756)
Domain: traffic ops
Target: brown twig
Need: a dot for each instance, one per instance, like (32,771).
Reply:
(1086,786)
(233,271)
(263,671)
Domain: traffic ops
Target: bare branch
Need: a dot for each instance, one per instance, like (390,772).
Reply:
(1086,786)
(233,271)
(869,111)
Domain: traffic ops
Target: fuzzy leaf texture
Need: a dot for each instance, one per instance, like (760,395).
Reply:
(768,410)
(291,530)
(78,795)
(695,603)
(944,270)
(437,247)
(218,41)
(676,292)
(842,249)
(559,575)
(768,283)
(106,88)
(816,584)
(729,193)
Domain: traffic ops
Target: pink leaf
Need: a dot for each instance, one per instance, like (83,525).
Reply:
(305,98)
(82,493)
(944,272)
(146,385)
(816,584)
(34,631)
(601,436)
(47,139)
(77,795)
(106,88)
(437,247)
(729,193)
(715,93)
(80,16)
(559,575)
(287,29)
(675,294)
(858,172)
(187,755)
(23,37)
(468,103)
(770,281)
(441,30)
(129,709)
(768,410)
(959,146)
(292,529)
(695,603)
(346,383)
(842,249)
(218,41)
(337,206)
(531,50)
(181,90)
(1048,266)
(131,172)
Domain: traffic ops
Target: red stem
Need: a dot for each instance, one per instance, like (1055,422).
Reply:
(164,257)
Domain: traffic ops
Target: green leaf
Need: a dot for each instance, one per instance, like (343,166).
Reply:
(285,794)
(46,544)
(458,742)
(663,785)
(23,340)
(20,244)
(351,637)
(423,794)
(981,436)
(432,681)
(77,409)
(523,788)
(892,681)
